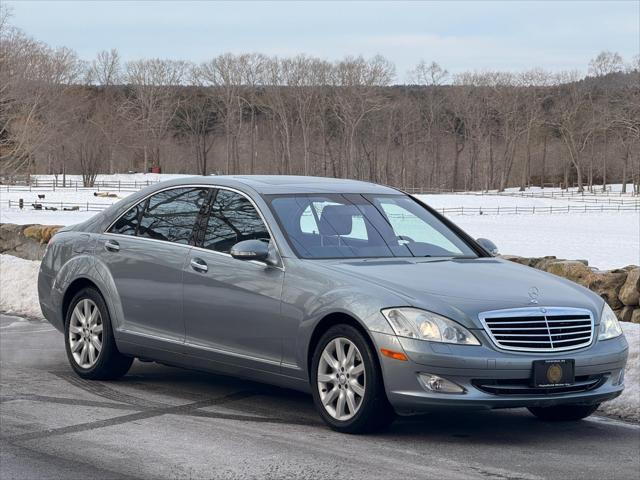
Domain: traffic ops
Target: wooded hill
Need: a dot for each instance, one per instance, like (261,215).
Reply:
(303,115)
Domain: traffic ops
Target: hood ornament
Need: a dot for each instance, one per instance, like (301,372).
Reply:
(534,293)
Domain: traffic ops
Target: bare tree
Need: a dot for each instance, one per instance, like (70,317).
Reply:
(431,110)
(224,76)
(152,101)
(574,121)
(33,81)
(605,63)
(105,69)
(356,94)
(196,119)
(305,78)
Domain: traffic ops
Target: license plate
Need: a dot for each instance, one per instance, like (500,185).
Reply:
(553,373)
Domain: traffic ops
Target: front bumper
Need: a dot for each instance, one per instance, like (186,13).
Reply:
(477,368)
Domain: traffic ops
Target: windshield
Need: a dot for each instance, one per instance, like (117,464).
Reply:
(359,226)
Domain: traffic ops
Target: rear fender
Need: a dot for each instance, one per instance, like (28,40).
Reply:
(88,267)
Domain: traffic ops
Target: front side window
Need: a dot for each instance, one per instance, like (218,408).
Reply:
(359,226)
(171,215)
(232,219)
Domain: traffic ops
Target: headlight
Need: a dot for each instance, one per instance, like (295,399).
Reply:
(415,323)
(609,325)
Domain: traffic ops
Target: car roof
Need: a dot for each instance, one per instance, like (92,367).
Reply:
(287,184)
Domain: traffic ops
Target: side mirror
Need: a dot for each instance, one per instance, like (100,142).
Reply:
(250,250)
(488,245)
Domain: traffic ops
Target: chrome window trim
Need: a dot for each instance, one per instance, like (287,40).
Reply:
(536,312)
(211,187)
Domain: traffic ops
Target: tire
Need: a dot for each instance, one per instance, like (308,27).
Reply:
(564,413)
(81,339)
(364,390)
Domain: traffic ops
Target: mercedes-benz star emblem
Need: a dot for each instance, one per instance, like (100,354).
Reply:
(534,293)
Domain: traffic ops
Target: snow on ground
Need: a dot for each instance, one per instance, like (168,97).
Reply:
(19,296)
(627,405)
(611,188)
(19,286)
(124,177)
(28,217)
(608,239)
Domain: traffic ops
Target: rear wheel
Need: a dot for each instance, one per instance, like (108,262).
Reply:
(564,413)
(89,342)
(346,382)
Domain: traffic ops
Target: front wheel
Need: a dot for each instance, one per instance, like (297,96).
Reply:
(91,348)
(346,382)
(564,413)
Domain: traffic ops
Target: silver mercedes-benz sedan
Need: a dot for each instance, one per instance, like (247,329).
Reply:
(358,293)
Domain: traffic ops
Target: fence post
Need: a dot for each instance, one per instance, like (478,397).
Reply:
(87,206)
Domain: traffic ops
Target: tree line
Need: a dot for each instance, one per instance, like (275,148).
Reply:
(252,113)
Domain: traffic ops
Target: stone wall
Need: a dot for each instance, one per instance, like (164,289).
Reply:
(25,241)
(619,287)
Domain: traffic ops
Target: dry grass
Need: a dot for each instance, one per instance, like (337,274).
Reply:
(41,233)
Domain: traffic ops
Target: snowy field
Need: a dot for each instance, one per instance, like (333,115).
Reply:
(19,296)
(558,226)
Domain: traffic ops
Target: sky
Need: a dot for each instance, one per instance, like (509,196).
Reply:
(459,35)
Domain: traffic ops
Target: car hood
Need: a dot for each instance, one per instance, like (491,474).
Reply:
(462,288)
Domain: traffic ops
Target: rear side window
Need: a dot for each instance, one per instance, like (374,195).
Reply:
(127,224)
(232,219)
(171,215)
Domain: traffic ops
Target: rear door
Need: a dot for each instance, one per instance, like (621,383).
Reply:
(232,307)
(146,250)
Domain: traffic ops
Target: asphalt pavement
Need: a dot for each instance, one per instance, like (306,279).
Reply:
(166,423)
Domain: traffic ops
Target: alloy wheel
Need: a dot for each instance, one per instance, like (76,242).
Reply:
(85,333)
(341,378)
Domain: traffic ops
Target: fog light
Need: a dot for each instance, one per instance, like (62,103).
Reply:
(438,384)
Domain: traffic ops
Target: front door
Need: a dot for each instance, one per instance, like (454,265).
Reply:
(232,307)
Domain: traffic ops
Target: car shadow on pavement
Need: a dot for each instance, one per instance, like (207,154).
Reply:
(151,382)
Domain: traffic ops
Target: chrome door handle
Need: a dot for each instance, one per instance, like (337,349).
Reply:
(112,246)
(199,265)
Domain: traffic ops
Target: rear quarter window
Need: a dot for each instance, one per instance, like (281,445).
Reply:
(128,223)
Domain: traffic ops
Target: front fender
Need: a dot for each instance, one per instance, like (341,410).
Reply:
(309,297)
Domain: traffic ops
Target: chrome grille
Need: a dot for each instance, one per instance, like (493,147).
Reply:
(539,329)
